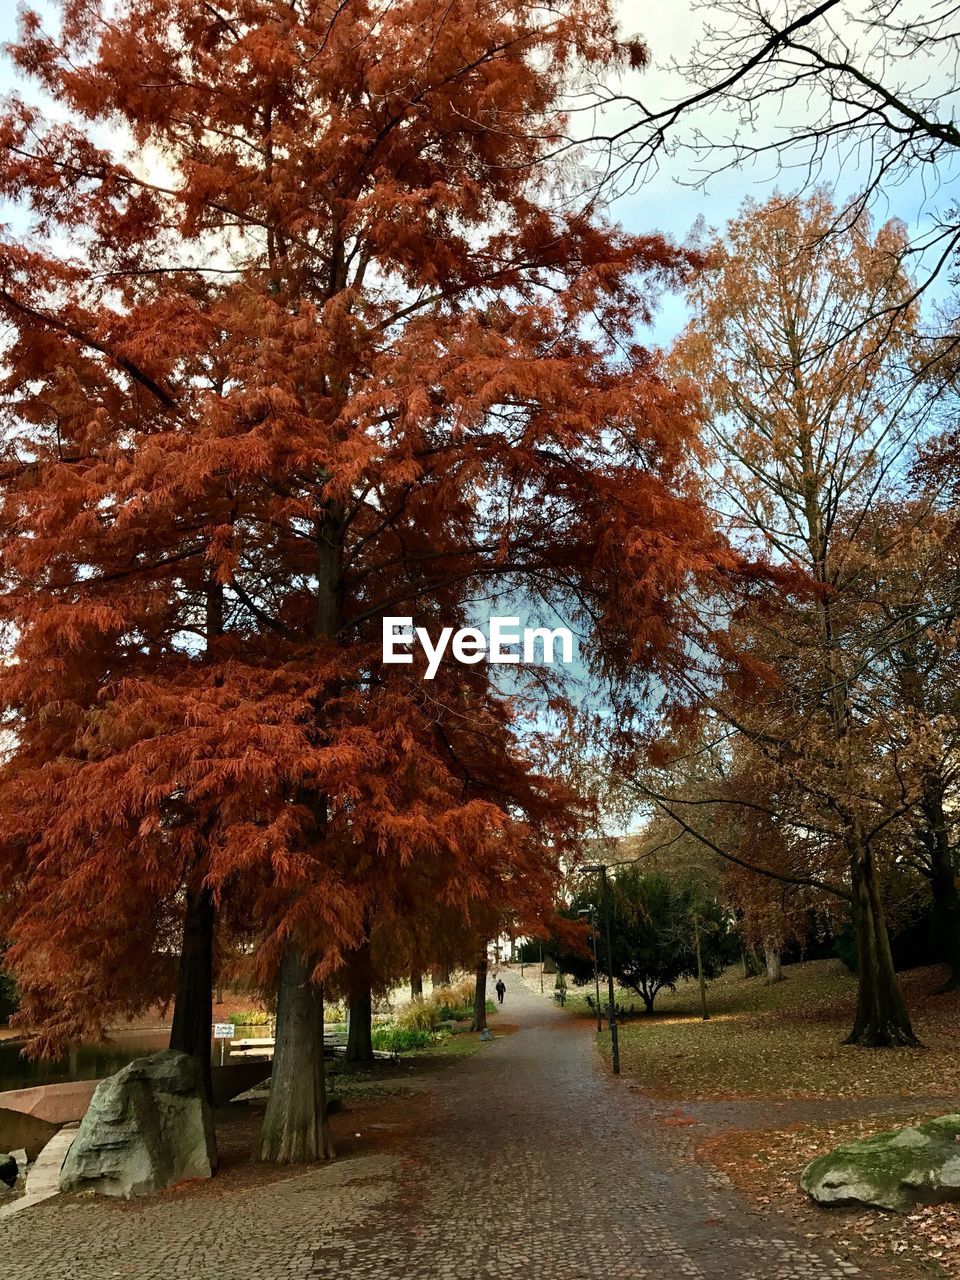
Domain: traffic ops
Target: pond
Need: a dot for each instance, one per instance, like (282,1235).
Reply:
(81,1062)
(93,1061)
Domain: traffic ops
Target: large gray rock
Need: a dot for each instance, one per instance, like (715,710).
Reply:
(894,1170)
(146,1127)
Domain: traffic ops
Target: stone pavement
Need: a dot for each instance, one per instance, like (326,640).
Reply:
(532,1165)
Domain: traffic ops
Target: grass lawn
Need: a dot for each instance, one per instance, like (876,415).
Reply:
(352,1082)
(786,1040)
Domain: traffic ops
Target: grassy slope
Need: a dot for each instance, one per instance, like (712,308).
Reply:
(786,1040)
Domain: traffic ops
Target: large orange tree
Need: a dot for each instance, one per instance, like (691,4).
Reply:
(307,330)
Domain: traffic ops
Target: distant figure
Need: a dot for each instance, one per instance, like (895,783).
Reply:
(501,990)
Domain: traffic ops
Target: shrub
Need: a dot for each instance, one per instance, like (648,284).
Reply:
(396,1039)
(417,1016)
(454,1003)
(249,1018)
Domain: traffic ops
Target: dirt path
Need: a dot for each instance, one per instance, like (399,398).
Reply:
(529,1163)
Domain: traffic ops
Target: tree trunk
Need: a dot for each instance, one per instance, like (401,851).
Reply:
(648,1002)
(416,986)
(946,902)
(933,831)
(881,1019)
(440,977)
(701,980)
(480,996)
(295,1127)
(191,1028)
(943,881)
(771,955)
(359,1006)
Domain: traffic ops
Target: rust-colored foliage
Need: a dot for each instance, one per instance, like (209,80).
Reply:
(308,329)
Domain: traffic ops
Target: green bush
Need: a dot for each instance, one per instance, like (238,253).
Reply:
(394,1039)
(454,1012)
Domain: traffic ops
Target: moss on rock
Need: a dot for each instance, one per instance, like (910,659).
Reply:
(893,1170)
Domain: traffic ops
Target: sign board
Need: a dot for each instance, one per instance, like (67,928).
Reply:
(223,1031)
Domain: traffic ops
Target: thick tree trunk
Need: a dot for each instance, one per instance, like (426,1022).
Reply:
(191,1028)
(416,986)
(771,956)
(480,996)
(933,832)
(943,881)
(881,1019)
(440,977)
(359,1006)
(946,902)
(295,1126)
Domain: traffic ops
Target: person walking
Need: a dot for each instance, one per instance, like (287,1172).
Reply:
(501,990)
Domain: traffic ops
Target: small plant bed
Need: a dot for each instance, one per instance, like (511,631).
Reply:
(786,1040)
(249,1018)
(766,1167)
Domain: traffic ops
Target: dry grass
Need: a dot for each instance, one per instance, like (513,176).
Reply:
(786,1041)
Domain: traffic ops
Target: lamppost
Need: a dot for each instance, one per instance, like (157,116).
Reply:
(611,1002)
(541,968)
(591,911)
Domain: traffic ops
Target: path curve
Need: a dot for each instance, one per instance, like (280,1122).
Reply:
(531,1163)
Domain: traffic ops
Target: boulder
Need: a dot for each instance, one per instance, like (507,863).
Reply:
(146,1127)
(894,1170)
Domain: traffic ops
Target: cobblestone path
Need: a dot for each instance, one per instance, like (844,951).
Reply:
(531,1165)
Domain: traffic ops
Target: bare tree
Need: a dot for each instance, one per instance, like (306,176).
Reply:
(869,90)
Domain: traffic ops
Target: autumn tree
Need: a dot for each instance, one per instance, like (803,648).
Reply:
(910,574)
(802,373)
(315,333)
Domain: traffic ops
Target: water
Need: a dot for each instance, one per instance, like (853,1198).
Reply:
(94,1061)
(81,1062)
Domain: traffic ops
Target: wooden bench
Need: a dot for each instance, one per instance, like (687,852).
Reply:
(334,1046)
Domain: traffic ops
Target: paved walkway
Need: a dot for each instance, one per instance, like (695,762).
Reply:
(531,1164)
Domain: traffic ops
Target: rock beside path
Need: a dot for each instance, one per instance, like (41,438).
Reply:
(894,1170)
(146,1127)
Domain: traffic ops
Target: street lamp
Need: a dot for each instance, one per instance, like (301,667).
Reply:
(591,911)
(601,870)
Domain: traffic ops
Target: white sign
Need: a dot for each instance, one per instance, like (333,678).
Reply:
(223,1031)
